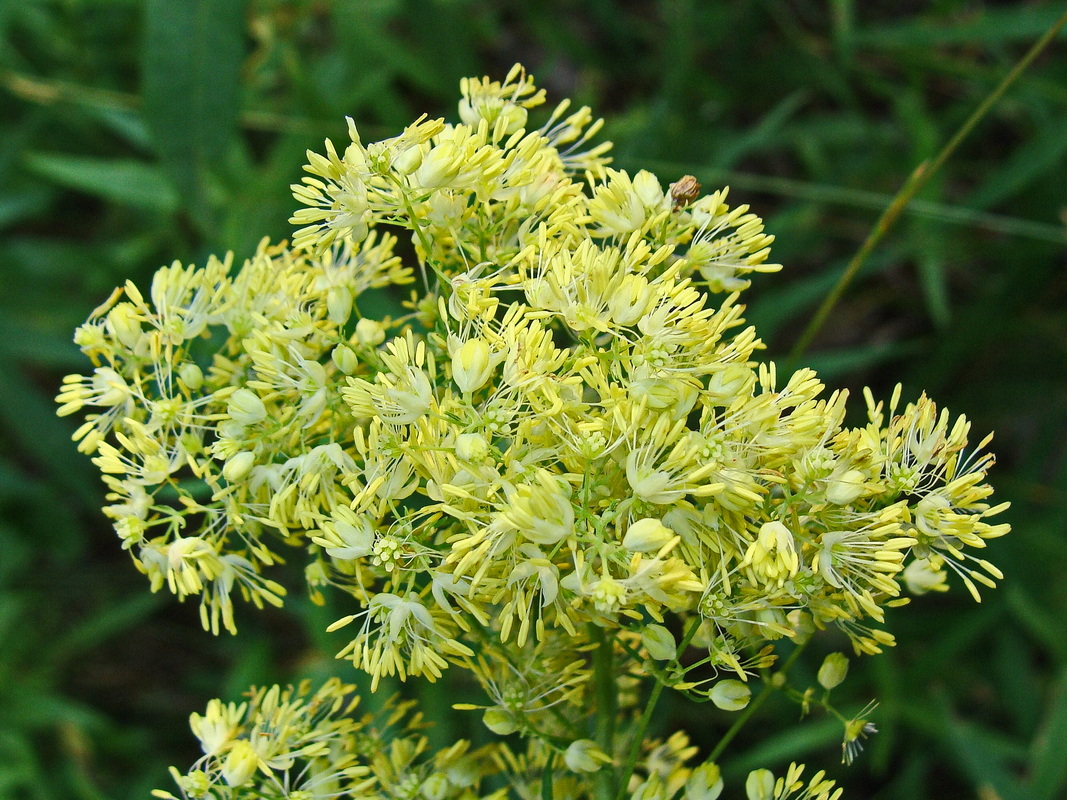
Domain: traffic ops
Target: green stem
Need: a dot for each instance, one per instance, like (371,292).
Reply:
(546,777)
(492,644)
(638,734)
(753,707)
(638,738)
(914,183)
(606,697)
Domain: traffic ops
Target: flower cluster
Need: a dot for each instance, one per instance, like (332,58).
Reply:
(561,445)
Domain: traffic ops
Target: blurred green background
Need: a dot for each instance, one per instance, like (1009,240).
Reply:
(133,132)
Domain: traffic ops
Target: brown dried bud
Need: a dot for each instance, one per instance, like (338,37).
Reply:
(684,191)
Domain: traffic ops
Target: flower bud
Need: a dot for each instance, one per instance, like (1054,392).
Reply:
(245,407)
(630,302)
(499,721)
(583,756)
(240,764)
(472,365)
(436,786)
(237,467)
(191,375)
(339,301)
(646,535)
(760,785)
(407,162)
(370,332)
(439,166)
(647,189)
(124,324)
(730,695)
(802,624)
(345,358)
(922,576)
(833,670)
(705,783)
(111,388)
(659,642)
(843,490)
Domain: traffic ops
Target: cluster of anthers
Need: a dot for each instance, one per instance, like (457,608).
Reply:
(559,450)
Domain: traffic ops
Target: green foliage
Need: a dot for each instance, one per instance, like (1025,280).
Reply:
(813,113)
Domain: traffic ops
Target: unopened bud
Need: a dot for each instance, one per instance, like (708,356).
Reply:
(237,467)
(345,358)
(646,535)
(191,375)
(760,785)
(472,365)
(731,695)
(124,324)
(833,670)
(659,642)
(370,332)
(499,721)
(705,783)
(245,407)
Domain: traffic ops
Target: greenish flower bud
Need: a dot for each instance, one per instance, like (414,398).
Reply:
(499,721)
(435,787)
(191,375)
(647,188)
(760,785)
(339,301)
(802,624)
(245,407)
(125,325)
(731,695)
(472,365)
(345,358)
(705,783)
(833,670)
(843,490)
(583,756)
(237,467)
(659,642)
(439,166)
(407,162)
(646,535)
(370,332)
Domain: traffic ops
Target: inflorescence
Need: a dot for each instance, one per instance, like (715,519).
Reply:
(561,439)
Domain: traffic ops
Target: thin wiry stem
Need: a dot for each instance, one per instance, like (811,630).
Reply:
(914,183)
(753,707)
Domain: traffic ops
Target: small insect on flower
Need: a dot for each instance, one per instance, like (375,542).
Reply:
(684,191)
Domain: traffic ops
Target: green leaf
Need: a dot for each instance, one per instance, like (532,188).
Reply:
(988,27)
(836,363)
(124,181)
(27,416)
(980,755)
(17,206)
(191,87)
(1033,160)
(1048,767)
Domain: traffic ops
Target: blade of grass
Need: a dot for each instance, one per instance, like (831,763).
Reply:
(914,183)
(191,78)
(1048,767)
(126,181)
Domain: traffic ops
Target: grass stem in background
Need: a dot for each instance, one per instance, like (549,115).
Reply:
(914,183)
